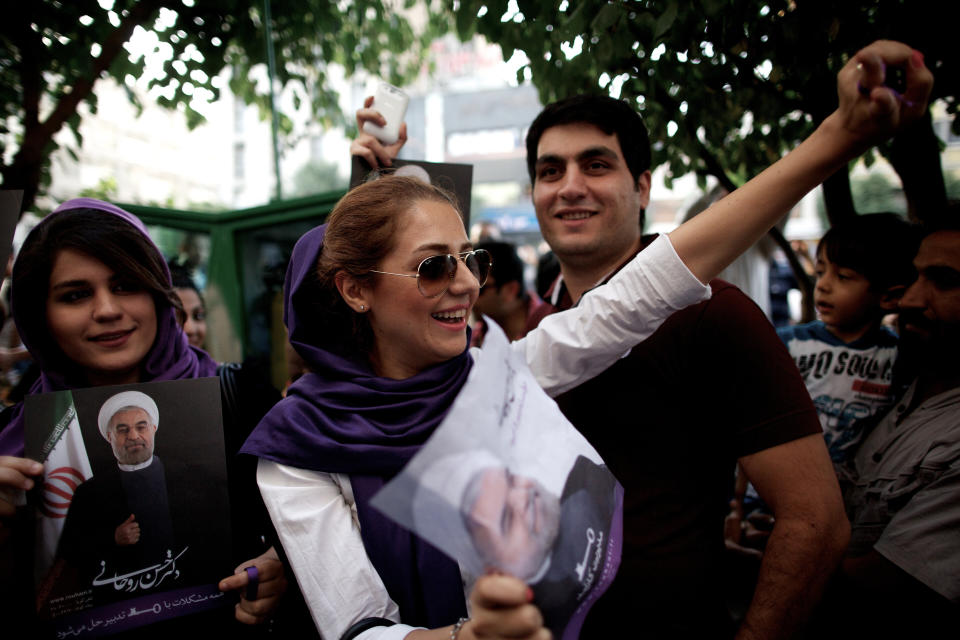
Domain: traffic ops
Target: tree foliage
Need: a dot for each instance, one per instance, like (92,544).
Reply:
(872,193)
(725,87)
(317,176)
(53,52)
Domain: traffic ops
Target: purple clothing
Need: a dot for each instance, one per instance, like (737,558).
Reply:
(170,358)
(343,418)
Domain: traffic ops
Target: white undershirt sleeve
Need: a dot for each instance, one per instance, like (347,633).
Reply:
(315,517)
(570,347)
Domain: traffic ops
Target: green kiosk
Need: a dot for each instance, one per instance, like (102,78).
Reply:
(239,259)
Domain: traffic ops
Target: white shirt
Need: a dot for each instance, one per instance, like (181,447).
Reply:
(314,512)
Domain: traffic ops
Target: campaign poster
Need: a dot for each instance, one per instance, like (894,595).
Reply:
(454,177)
(507,483)
(133,513)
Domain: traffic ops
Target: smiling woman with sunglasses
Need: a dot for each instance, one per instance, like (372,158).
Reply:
(387,356)
(378,303)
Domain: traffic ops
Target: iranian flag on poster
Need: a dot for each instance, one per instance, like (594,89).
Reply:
(66,466)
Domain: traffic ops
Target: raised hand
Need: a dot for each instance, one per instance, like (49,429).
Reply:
(868,108)
(368,147)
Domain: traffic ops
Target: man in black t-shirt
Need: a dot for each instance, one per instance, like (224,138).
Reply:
(712,386)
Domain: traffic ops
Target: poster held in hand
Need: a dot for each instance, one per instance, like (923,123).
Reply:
(133,513)
(454,177)
(507,483)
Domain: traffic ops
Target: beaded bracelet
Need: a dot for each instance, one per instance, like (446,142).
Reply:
(457,627)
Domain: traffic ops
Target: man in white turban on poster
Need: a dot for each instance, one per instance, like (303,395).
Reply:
(487,516)
(121,519)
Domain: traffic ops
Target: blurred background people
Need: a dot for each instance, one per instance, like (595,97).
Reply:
(194,308)
(901,485)
(504,297)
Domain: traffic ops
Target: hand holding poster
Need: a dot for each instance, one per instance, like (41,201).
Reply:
(133,515)
(507,483)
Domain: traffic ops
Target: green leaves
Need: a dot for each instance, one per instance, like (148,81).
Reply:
(705,54)
(702,53)
(48,53)
(465,18)
(666,19)
(609,14)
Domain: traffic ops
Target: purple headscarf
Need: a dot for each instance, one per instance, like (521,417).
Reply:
(170,358)
(342,418)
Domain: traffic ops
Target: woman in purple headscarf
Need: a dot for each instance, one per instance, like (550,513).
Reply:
(93,303)
(377,304)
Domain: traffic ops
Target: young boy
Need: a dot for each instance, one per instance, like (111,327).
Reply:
(846,358)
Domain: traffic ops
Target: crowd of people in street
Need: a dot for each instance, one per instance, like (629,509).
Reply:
(822,460)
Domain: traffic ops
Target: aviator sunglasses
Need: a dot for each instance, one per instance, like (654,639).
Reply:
(435,273)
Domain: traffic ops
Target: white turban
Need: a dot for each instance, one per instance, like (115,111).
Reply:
(413,171)
(123,400)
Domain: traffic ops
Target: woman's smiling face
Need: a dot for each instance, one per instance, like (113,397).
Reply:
(103,323)
(412,332)
(195,322)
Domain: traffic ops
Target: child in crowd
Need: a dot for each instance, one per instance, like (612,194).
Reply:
(846,358)
(863,266)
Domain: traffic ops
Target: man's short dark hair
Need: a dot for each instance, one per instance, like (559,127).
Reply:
(605,113)
(879,246)
(507,265)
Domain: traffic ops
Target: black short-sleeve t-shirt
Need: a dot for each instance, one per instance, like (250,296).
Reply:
(670,419)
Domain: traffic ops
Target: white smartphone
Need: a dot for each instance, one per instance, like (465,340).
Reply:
(391,102)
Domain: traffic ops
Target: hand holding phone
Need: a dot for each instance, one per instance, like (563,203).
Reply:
(391,102)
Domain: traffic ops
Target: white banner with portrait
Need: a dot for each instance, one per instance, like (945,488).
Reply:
(507,483)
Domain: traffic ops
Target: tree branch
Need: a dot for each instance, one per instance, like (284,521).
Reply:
(110,49)
(28,42)
(837,197)
(915,155)
(25,169)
